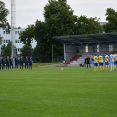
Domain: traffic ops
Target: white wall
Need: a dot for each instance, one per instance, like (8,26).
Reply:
(70,51)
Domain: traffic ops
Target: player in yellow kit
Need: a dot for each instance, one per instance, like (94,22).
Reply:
(101,61)
(95,59)
(106,61)
(115,61)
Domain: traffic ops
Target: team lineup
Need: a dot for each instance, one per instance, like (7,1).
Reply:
(101,62)
(108,62)
(10,63)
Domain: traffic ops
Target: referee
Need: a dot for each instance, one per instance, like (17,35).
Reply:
(88,62)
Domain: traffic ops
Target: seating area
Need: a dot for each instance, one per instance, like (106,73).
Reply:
(77,60)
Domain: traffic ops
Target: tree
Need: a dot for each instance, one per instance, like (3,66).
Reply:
(36,54)
(27,35)
(0,40)
(2,49)
(85,25)
(3,14)
(59,17)
(111,17)
(7,49)
(19,27)
(26,50)
(43,42)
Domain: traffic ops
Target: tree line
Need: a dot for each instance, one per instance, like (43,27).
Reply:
(59,20)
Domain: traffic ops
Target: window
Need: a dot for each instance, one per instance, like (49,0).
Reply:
(18,49)
(4,41)
(15,41)
(7,32)
(3,32)
(15,32)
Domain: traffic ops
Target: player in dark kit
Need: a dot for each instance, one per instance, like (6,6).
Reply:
(88,62)
(7,62)
(11,62)
(16,62)
(0,63)
(21,62)
(26,62)
(30,63)
(3,63)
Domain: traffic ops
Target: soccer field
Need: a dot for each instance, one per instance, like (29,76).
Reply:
(52,92)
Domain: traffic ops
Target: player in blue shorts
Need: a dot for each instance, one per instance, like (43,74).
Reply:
(95,59)
(101,62)
(115,61)
(106,61)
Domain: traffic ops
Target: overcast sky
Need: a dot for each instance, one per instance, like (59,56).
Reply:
(28,11)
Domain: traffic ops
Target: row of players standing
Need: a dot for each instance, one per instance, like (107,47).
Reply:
(105,60)
(8,62)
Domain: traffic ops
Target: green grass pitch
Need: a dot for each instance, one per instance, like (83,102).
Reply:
(52,92)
